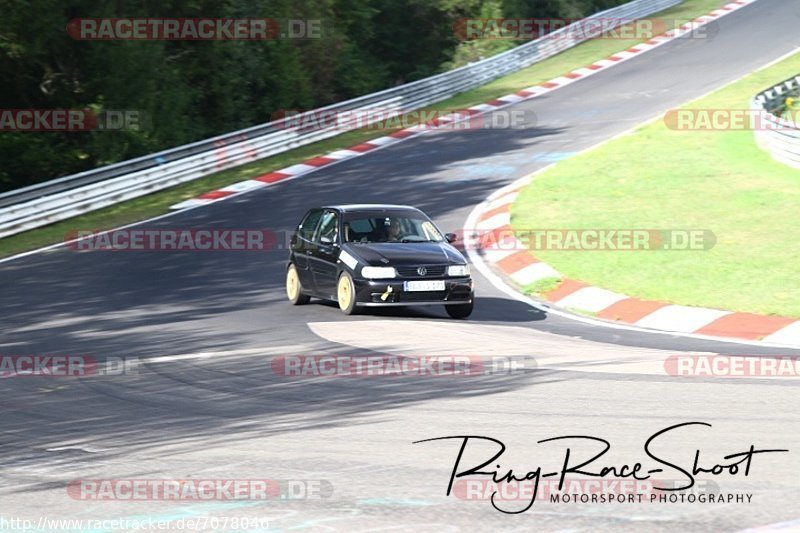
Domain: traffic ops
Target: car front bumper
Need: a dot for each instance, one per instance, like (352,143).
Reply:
(389,292)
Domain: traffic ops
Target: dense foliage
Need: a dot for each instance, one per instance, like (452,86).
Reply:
(191,90)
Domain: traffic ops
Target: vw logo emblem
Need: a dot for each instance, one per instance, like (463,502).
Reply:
(422,271)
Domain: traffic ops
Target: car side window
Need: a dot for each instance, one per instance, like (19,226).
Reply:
(309,224)
(328,228)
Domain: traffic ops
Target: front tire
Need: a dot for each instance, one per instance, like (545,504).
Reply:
(346,294)
(294,290)
(459,310)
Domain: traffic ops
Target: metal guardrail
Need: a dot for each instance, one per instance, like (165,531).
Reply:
(776,135)
(62,198)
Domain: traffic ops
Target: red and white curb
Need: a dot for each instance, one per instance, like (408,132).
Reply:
(510,258)
(316,163)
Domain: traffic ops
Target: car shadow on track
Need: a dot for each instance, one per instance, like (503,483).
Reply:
(487,309)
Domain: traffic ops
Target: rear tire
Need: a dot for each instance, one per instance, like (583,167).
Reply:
(294,290)
(459,310)
(346,294)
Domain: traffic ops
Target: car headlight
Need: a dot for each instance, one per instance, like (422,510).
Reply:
(378,272)
(458,270)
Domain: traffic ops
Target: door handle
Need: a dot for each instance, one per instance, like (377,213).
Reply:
(308,252)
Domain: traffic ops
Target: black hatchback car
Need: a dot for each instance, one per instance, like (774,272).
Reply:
(376,255)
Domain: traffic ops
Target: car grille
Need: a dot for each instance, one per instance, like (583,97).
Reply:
(432,271)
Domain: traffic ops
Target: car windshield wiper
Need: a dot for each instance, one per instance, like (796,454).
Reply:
(421,240)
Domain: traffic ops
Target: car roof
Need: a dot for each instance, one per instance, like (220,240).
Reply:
(370,207)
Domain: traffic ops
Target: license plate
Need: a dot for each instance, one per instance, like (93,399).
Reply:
(423,285)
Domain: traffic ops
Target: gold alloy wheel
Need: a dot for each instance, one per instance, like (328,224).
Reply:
(292,284)
(344,292)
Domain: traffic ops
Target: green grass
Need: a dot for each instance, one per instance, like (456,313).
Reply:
(158,203)
(541,286)
(579,311)
(663,179)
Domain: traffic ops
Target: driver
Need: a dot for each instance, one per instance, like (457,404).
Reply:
(395,231)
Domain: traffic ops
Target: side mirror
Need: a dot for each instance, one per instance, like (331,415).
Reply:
(451,237)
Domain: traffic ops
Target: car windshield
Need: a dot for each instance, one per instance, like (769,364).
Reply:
(390,228)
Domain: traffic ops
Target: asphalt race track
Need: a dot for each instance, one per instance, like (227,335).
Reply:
(220,412)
